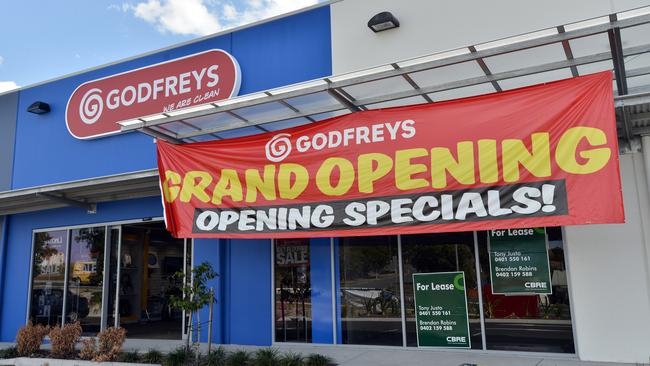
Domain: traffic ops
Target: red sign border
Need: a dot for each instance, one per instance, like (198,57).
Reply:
(235,89)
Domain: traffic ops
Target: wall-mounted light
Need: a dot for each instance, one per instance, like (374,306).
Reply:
(383,21)
(38,108)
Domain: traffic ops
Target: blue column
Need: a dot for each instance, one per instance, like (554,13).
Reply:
(3,255)
(321,290)
(337,286)
(209,250)
(249,289)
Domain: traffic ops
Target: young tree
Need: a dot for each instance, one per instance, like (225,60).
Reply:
(196,294)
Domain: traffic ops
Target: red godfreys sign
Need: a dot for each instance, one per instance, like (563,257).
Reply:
(95,107)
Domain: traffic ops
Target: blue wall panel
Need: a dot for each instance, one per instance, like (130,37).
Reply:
(209,250)
(321,290)
(13,304)
(337,287)
(282,52)
(248,292)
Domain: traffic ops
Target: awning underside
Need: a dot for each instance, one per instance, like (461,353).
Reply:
(618,42)
(82,193)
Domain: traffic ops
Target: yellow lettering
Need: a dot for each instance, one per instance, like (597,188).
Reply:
(192,188)
(595,159)
(404,170)
(228,185)
(488,168)
(514,153)
(171,192)
(346,176)
(266,185)
(286,171)
(443,162)
(368,174)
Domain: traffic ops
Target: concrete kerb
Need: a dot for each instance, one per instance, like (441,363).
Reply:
(26,361)
(348,356)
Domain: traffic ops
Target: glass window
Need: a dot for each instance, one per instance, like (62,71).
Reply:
(537,323)
(449,252)
(68,281)
(369,291)
(86,278)
(292,291)
(48,277)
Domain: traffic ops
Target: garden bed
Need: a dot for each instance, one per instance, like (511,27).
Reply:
(30,361)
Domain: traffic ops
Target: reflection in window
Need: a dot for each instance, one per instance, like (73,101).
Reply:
(537,323)
(369,290)
(48,276)
(292,291)
(430,253)
(85,278)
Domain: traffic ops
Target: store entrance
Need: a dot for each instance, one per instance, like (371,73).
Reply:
(143,264)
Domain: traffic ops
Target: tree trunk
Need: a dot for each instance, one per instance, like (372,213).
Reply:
(189,333)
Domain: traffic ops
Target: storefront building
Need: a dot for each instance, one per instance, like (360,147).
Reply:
(82,232)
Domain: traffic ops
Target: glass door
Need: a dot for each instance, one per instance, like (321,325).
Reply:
(111,302)
(292,291)
(148,259)
(86,278)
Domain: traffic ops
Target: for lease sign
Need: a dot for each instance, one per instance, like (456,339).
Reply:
(544,155)
(96,106)
(441,317)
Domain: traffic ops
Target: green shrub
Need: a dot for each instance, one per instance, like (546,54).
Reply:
(132,357)
(266,357)
(238,358)
(216,358)
(178,357)
(8,353)
(292,359)
(315,359)
(153,356)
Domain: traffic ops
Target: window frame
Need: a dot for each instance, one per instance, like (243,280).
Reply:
(68,228)
(483,349)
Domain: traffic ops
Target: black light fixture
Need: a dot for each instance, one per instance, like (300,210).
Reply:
(38,108)
(383,21)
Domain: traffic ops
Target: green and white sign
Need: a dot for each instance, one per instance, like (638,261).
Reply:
(519,261)
(441,310)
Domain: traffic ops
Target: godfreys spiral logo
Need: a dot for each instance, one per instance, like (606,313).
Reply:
(91,106)
(278,148)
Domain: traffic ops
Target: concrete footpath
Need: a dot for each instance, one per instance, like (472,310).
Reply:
(381,356)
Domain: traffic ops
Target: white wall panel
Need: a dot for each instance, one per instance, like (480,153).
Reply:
(429,26)
(609,278)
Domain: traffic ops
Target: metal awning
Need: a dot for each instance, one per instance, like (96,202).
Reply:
(85,193)
(617,42)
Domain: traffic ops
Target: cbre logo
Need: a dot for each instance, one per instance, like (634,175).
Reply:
(95,107)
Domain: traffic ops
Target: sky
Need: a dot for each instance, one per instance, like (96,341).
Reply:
(44,39)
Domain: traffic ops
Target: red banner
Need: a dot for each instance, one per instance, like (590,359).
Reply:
(95,107)
(544,155)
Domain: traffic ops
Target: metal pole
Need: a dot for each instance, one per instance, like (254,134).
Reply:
(400,268)
(210,320)
(479,286)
